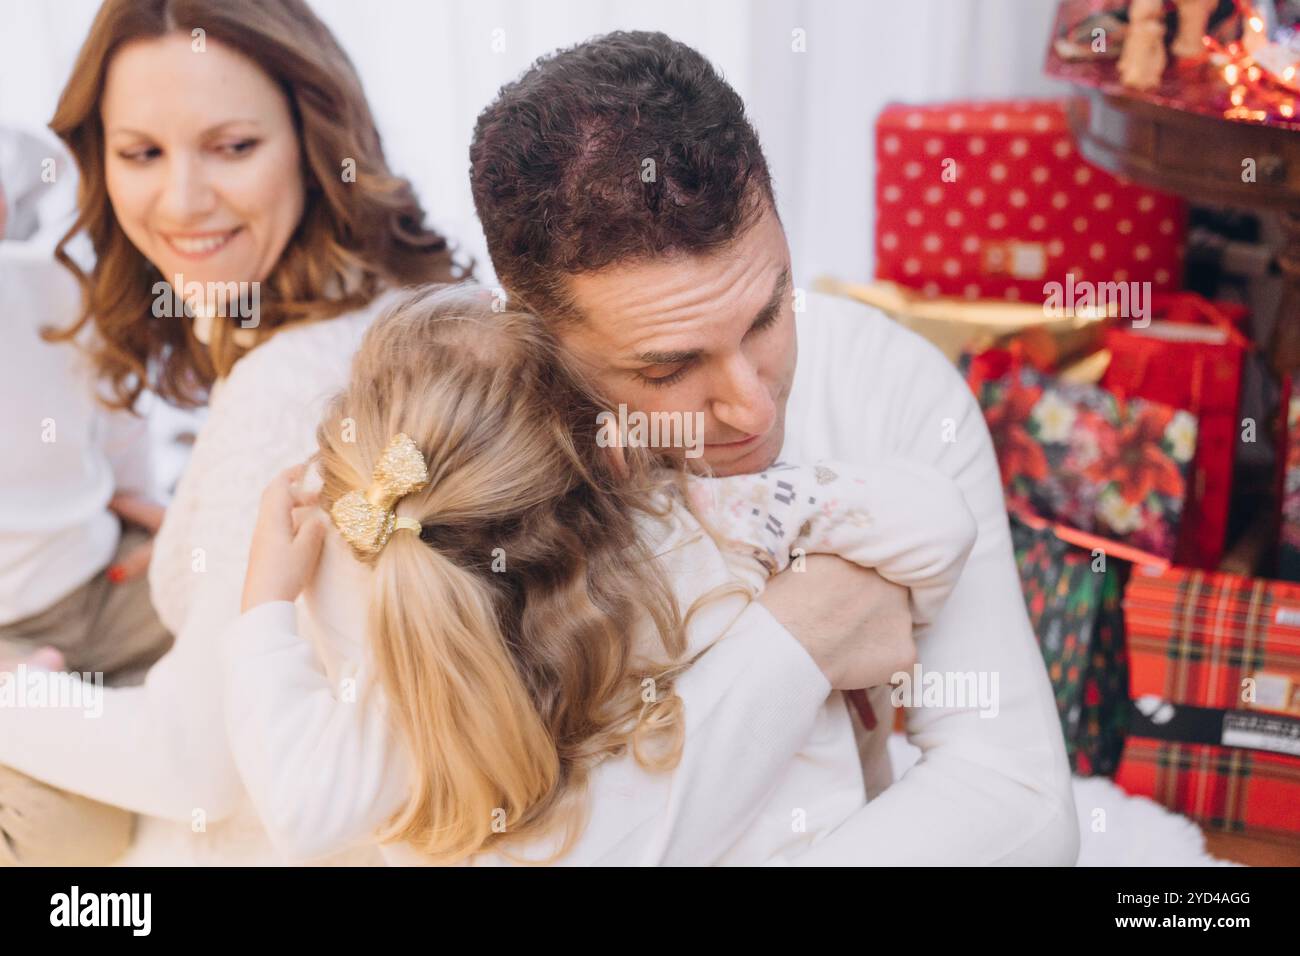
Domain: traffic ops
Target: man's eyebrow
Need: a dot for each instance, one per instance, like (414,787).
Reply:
(768,310)
(774,301)
(667,358)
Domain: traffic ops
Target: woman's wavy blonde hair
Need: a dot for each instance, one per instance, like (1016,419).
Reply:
(503,633)
(353,238)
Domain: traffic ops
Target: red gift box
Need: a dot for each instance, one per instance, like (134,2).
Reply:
(1214,673)
(1191,358)
(993,200)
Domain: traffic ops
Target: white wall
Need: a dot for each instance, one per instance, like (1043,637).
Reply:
(429,66)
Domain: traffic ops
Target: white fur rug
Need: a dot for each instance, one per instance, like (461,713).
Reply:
(1139,831)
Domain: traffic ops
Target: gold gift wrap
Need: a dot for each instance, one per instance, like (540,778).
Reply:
(957,325)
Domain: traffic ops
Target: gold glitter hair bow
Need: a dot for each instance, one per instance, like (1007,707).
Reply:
(366,518)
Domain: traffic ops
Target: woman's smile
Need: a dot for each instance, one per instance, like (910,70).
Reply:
(200,245)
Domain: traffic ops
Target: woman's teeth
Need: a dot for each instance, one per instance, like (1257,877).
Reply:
(196,247)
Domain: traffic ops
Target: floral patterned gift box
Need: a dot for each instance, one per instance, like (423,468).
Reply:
(1076,454)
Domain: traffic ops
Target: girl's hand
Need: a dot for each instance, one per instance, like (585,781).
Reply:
(286,542)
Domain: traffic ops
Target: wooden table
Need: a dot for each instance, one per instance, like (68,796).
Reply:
(1203,158)
(1251,850)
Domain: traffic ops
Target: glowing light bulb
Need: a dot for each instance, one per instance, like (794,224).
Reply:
(1238,95)
(1256,24)
(1230,73)
(1287,110)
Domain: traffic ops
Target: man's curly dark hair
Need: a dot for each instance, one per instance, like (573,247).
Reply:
(625,147)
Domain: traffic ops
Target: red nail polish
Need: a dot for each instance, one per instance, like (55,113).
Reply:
(116,574)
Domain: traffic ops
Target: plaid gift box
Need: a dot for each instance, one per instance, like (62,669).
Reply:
(992,200)
(1074,607)
(1214,665)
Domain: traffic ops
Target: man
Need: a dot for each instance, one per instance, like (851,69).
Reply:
(625,197)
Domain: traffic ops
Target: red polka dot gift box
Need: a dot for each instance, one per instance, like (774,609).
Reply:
(992,200)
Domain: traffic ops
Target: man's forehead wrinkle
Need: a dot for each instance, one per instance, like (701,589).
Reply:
(655,310)
(645,309)
(716,286)
(650,337)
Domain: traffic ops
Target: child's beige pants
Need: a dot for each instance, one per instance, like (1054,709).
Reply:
(100,628)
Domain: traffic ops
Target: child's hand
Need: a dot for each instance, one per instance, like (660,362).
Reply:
(147,515)
(286,542)
(43,658)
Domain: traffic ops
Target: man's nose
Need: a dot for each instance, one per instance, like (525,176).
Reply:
(742,401)
(187,193)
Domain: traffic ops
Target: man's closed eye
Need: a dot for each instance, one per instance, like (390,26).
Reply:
(663,381)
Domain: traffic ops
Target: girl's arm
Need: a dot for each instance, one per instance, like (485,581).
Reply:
(315,753)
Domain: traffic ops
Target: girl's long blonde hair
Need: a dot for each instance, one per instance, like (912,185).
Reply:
(503,632)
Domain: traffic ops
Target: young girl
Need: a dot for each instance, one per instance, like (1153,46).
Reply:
(495,632)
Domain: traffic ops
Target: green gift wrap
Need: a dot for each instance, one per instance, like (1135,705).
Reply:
(1078,617)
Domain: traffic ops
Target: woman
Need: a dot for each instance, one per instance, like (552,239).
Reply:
(226,154)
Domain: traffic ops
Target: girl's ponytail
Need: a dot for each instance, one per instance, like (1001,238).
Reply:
(486,761)
(509,685)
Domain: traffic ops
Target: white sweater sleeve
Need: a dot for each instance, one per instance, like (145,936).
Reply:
(752,699)
(152,749)
(751,702)
(905,519)
(987,789)
(160,748)
(317,757)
